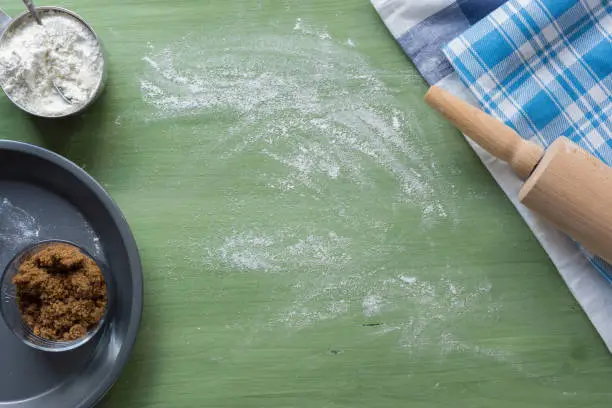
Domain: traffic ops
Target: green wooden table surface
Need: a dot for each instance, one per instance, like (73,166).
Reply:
(312,235)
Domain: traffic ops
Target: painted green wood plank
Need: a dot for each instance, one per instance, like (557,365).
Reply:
(285,270)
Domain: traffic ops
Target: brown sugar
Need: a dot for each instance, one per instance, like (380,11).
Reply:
(61,292)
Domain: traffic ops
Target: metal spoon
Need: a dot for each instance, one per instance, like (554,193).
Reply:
(63,96)
(32,9)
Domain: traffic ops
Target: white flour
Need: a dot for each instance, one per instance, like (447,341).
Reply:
(304,101)
(16,226)
(327,129)
(282,250)
(371,305)
(62,50)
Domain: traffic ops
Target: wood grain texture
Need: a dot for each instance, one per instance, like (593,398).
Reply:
(571,189)
(487,320)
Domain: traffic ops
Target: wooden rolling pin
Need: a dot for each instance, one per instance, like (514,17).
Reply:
(564,184)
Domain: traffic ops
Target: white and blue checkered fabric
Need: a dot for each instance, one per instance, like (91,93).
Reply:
(544,67)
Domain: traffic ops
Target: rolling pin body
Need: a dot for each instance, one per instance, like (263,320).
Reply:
(565,184)
(573,190)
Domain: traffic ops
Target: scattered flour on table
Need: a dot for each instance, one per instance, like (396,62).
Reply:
(333,275)
(321,114)
(371,305)
(450,344)
(407,279)
(281,251)
(435,306)
(323,259)
(304,101)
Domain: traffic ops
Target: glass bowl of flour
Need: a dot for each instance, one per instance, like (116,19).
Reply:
(52,70)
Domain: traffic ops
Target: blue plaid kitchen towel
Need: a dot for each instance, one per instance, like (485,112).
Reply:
(542,66)
(421,27)
(545,68)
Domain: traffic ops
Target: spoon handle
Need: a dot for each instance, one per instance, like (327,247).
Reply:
(32,9)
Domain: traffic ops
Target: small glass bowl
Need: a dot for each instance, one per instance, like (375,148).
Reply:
(10,310)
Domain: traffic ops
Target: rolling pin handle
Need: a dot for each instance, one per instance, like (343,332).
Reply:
(491,134)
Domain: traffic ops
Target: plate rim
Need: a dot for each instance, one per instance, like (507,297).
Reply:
(133,253)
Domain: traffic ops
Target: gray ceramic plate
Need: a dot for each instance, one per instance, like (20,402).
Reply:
(44,196)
